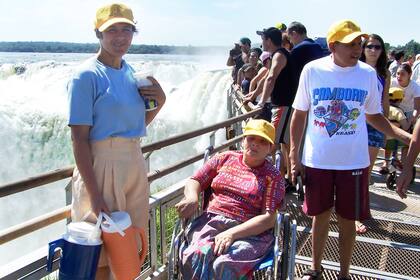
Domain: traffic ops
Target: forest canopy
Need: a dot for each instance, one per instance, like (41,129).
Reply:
(411,48)
(62,47)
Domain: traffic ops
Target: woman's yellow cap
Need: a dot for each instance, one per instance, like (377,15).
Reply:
(260,128)
(111,14)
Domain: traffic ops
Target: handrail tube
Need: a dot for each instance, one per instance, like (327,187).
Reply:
(59,174)
(169,169)
(185,136)
(39,222)
(36,181)
(36,223)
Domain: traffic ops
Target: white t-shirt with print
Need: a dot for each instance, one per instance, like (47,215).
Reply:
(337,99)
(410,92)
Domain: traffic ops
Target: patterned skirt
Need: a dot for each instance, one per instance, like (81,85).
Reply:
(198,261)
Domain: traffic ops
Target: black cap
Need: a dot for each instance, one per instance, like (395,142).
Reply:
(272,33)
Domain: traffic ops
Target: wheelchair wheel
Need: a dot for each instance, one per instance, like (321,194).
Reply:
(391,180)
(173,273)
(284,260)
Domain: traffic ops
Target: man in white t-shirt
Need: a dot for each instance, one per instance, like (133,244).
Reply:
(336,94)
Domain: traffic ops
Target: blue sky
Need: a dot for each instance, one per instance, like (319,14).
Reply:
(206,22)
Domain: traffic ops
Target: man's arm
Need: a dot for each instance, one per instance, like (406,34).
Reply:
(230,61)
(416,108)
(252,95)
(385,95)
(413,150)
(382,124)
(297,126)
(256,80)
(278,63)
(240,77)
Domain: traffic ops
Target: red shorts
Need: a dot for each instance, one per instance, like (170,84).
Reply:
(347,190)
(280,119)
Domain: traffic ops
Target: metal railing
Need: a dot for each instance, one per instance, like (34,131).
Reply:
(161,203)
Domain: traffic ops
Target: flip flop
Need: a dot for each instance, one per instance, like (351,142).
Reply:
(361,228)
(311,274)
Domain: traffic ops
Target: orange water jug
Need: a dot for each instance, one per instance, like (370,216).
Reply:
(120,241)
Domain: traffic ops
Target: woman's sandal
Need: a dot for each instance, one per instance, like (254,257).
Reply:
(313,274)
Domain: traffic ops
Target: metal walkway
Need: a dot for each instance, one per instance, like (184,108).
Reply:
(390,249)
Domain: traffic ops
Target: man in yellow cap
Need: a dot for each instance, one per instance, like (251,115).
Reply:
(336,94)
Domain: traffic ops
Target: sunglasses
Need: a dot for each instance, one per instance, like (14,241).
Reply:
(376,47)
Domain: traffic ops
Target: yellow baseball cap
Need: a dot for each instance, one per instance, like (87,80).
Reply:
(111,14)
(396,93)
(281,26)
(260,128)
(344,31)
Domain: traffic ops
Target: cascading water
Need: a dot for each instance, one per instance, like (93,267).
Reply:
(35,138)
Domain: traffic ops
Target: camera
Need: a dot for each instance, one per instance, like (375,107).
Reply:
(236,50)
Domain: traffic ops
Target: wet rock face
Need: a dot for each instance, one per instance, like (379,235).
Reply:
(20,69)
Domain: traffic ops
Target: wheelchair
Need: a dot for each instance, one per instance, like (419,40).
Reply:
(396,166)
(279,263)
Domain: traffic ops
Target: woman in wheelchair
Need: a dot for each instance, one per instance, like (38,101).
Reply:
(233,233)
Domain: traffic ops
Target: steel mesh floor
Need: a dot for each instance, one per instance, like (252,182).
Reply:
(329,274)
(377,228)
(368,255)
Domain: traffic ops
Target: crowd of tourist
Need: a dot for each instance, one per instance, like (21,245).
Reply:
(356,99)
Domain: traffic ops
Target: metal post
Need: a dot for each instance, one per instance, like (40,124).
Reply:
(163,249)
(229,102)
(212,139)
(153,239)
(147,159)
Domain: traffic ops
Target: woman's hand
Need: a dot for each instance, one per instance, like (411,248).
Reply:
(99,205)
(186,207)
(154,92)
(222,242)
